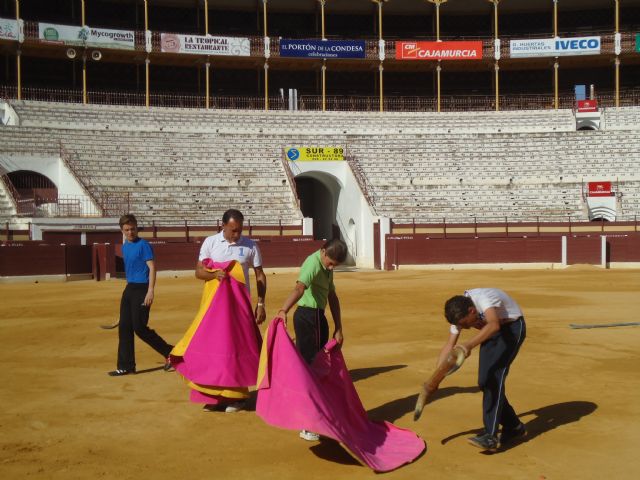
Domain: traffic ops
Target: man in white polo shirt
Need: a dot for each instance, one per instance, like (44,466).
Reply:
(227,245)
(502,330)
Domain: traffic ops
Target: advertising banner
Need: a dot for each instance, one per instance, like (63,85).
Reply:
(554,47)
(322,48)
(600,189)
(439,50)
(638,42)
(87,36)
(9,29)
(315,154)
(205,45)
(587,105)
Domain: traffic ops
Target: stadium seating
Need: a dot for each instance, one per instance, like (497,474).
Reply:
(182,164)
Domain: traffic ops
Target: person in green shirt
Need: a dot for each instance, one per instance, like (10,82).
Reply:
(314,289)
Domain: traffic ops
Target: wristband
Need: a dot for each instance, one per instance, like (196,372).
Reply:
(260,304)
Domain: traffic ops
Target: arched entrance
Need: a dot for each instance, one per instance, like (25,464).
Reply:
(34,186)
(318,193)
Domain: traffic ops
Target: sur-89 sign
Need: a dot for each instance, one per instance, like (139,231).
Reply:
(315,154)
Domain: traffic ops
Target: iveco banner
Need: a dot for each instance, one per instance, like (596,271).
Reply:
(322,48)
(205,45)
(439,50)
(554,47)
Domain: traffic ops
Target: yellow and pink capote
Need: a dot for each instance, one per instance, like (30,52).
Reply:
(219,353)
(321,398)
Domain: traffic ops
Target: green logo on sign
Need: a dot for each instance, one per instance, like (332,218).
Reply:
(637,42)
(51,34)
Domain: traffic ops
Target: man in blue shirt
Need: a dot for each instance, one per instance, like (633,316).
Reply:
(136,299)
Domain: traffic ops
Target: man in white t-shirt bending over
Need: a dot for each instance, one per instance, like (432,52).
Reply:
(229,244)
(502,331)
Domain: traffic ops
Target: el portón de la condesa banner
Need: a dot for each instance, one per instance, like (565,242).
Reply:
(554,47)
(205,45)
(87,36)
(322,48)
(449,50)
(315,154)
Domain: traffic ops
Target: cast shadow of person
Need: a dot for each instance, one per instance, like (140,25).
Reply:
(546,419)
(396,409)
(362,373)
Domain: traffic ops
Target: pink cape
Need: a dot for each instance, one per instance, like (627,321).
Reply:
(224,351)
(321,398)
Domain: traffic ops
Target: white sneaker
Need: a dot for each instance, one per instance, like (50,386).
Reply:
(309,436)
(235,407)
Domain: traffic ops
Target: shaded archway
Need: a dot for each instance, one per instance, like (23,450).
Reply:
(318,193)
(30,185)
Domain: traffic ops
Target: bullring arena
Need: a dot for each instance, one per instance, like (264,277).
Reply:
(450,144)
(576,390)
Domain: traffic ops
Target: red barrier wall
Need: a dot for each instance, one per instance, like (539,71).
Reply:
(39,259)
(422,250)
(623,248)
(584,250)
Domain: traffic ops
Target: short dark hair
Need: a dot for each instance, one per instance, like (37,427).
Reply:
(336,250)
(456,308)
(128,218)
(232,213)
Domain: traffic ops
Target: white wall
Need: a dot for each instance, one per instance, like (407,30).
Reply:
(351,206)
(51,167)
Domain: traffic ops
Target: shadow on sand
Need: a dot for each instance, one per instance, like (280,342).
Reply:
(396,409)
(546,419)
(362,373)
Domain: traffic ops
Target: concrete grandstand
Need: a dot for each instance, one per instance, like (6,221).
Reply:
(497,136)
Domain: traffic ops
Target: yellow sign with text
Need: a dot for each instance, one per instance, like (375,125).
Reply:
(315,154)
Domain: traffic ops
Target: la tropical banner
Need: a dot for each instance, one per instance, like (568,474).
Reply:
(554,47)
(454,50)
(322,48)
(205,45)
(87,36)
(315,154)
(9,29)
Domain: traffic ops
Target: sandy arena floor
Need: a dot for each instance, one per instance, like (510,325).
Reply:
(578,391)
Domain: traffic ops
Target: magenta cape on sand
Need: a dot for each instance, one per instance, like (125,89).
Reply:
(222,347)
(321,398)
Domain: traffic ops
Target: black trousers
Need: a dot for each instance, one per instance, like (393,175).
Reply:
(312,331)
(134,317)
(496,356)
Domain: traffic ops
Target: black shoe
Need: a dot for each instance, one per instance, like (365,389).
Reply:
(485,442)
(213,407)
(508,435)
(120,372)
(167,365)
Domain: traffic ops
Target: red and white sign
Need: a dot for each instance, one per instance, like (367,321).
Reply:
(587,105)
(439,50)
(600,189)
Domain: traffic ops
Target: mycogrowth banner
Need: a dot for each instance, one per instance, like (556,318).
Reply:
(87,36)
(439,50)
(9,29)
(554,47)
(315,154)
(322,48)
(205,45)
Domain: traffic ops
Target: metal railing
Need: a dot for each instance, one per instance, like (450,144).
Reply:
(350,103)
(363,181)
